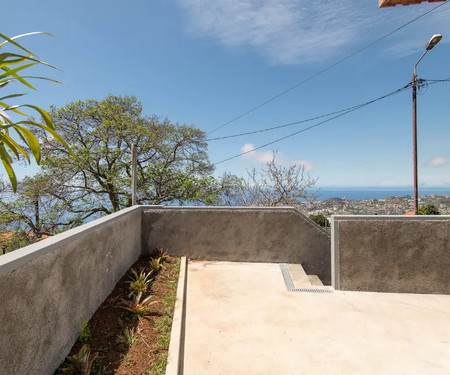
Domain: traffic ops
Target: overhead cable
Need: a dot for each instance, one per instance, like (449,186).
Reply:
(342,113)
(325,69)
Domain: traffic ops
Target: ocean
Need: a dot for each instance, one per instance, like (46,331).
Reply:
(357,193)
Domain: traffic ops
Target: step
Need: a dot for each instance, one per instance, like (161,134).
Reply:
(314,280)
(298,275)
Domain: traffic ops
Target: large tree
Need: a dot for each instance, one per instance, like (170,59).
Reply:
(172,162)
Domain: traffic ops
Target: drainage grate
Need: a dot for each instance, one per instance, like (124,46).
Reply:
(291,287)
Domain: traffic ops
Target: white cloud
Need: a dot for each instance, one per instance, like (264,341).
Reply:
(306,164)
(295,31)
(437,161)
(266,156)
(259,156)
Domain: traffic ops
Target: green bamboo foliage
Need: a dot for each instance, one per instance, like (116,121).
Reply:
(12,68)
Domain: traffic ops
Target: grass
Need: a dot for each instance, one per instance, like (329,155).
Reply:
(164,325)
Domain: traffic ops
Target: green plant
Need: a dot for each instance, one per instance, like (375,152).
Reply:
(85,334)
(13,64)
(429,209)
(129,337)
(81,362)
(156,265)
(136,306)
(139,282)
(162,254)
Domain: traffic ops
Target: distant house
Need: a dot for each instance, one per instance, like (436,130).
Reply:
(393,3)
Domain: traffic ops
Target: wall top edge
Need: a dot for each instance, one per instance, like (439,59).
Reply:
(390,217)
(231,208)
(17,258)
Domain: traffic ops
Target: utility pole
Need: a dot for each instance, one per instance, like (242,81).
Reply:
(133,174)
(435,39)
(416,191)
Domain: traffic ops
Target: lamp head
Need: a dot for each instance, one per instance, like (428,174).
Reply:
(435,39)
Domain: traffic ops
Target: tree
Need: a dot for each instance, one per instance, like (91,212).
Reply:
(36,210)
(429,209)
(320,219)
(172,162)
(273,185)
(13,64)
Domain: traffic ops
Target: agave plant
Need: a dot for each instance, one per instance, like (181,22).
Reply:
(81,362)
(12,66)
(139,282)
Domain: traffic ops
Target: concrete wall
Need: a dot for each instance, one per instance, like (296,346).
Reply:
(48,289)
(405,254)
(247,234)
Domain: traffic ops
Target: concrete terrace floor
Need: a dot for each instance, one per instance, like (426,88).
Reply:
(240,319)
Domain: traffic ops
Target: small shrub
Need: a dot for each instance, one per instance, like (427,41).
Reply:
(81,362)
(85,334)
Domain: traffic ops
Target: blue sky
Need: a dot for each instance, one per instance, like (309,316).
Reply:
(204,62)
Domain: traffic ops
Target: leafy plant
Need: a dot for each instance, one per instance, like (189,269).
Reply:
(139,282)
(129,337)
(13,64)
(85,334)
(162,254)
(81,362)
(156,265)
(136,306)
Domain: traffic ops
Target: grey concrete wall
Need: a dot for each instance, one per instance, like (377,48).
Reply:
(48,289)
(280,235)
(404,254)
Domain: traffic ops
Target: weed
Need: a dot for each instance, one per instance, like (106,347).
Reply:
(160,366)
(85,334)
(81,362)
(129,337)
(126,360)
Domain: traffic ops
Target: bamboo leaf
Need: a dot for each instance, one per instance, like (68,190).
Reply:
(15,147)
(7,164)
(18,78)
(13,72)
(11,96)
(11,40)
(31,141)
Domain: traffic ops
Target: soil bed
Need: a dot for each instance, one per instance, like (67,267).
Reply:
(147,353)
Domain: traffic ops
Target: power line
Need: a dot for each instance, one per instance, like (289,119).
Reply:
(318,124)
(325,69)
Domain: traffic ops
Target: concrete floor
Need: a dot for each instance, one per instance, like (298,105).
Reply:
(241,320)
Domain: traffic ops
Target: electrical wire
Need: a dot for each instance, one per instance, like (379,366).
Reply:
(325,69)
(351,109)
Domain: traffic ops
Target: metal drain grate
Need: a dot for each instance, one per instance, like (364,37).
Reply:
(291,287)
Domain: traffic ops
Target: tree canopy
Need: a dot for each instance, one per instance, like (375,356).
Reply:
(172,160)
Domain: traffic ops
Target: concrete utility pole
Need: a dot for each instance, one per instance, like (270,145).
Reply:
(433,41)
(133,174)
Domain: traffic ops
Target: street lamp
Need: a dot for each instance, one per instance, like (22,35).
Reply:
(435,39)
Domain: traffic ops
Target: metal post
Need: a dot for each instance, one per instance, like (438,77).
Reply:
(416,192)
(133,174)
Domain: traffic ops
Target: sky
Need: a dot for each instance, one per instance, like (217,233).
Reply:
(206,62)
